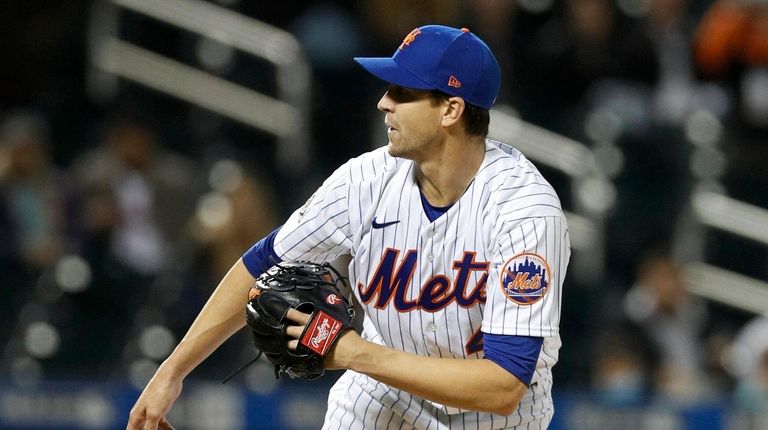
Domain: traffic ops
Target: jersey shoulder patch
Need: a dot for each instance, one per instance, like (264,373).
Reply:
(525,278)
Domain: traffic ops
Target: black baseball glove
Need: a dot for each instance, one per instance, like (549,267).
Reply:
(307,287)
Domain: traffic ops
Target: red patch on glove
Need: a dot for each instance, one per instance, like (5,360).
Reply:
(321,332)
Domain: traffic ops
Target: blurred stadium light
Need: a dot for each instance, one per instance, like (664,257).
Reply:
(714,210)
(539,144)
(727,287)
(595,194)
(731,215)
(286,117)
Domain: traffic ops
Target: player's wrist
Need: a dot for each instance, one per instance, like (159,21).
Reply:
(345,352)
(170,371)
(363,355)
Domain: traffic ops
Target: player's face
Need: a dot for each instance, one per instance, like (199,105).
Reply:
(413,119)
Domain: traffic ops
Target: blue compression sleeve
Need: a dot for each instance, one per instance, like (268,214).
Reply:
(516,354)
(262,255)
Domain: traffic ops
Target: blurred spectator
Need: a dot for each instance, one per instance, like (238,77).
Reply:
(669,28)
(331,35)
(239,211)
(570,54)
(33,191)
(138,193)
(622,365)
(731,47)
(136,198)
(675,322)
(748,361)
(34,202)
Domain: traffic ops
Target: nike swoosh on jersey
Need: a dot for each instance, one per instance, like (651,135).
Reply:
(375,224)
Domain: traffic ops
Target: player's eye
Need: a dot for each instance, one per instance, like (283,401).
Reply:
(396,93)
(403,95)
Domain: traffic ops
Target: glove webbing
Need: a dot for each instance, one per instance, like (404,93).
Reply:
(303,280)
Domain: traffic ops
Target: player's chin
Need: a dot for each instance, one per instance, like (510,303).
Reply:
(397,147)
(396,151)
(392,149)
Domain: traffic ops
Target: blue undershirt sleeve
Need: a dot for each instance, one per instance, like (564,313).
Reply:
(516,354)
(262,255)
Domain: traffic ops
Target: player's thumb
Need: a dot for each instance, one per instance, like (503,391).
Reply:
(165,425)
(152,421)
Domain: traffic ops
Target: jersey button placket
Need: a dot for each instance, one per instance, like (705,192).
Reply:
(427,244)
(431,252)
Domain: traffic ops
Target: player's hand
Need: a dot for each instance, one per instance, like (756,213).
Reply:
(294,331)
(342,353)
(154,403)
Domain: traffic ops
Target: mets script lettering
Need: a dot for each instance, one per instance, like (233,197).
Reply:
(522,282)
(392,279)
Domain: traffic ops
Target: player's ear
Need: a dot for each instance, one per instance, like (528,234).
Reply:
(454,108)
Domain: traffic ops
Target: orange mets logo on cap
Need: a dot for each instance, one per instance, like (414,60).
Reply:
(525,278)
(409,38)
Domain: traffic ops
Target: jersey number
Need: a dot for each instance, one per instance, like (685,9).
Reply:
(475,343)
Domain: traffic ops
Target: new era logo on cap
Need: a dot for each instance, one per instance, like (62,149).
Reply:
(436,57)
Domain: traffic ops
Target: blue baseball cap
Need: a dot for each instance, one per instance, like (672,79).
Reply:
(436,57)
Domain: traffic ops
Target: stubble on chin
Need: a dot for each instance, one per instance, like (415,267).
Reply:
(396,150)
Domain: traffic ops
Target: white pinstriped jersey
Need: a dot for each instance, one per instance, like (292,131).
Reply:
(495,261)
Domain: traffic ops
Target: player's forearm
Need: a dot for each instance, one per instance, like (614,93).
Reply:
(219,319)
(472,384)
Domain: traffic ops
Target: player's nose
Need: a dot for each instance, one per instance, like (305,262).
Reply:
(385,104)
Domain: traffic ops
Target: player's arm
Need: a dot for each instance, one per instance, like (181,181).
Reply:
(219,319)
(480,385)
(477,384)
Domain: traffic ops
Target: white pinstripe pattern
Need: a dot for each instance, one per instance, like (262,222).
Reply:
(508,208)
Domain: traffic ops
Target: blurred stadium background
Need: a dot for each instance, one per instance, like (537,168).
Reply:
(145,144)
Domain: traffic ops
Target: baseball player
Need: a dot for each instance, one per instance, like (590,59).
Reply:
(459,249)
